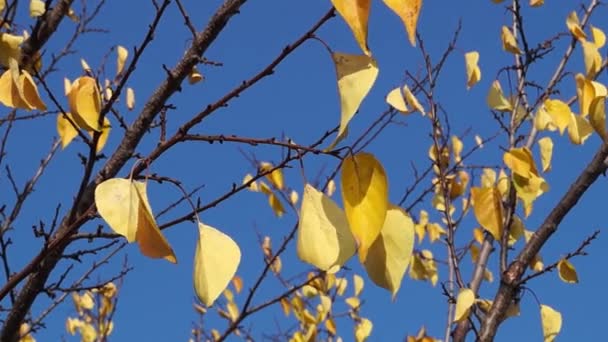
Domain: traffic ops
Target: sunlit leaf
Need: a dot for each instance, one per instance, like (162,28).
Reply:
(365,196)
(597,116)
(37,8)
(397,100)
(537,3)
(363,330)
(216,259)
(356,15)
(497,100)
(574,26)
(275,177)
(521,162)
(408,11)
(85,103)
(551,321)
(559,112)
(592,58)
(579,129)
(324,238)
(464,301)
(487,206)
(124,205)
(567,272)
(390,254)
(473,71)
(130,98)
(509,43)
(546,152)
(121,57)
(356,75)
(599,37)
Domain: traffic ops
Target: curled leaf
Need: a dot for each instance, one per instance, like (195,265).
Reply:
(473,71)
(567,272)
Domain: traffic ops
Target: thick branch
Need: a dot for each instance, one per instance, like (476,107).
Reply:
(511,278)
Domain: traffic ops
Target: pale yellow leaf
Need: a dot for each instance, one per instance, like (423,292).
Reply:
(66,131)
(509,43)
(390,255)
(396,99)
(579,129)
(324,238)
(464,301)
(559,113)
(546,152)
(551,322)
(124,205)
(356,75)
(37,8)
(356,15)
(130,98)
(408,11)
(457,147)
(521,162)
(543,120)
(473,71)
(497,100)
(592,59)
(216,260)
(358,284)
(567,272)
(412,101)
(363,329)
(121,57)
(365,196)
(599,37)
(574,26)
(597,116)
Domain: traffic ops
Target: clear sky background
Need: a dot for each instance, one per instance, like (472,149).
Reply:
(300,101)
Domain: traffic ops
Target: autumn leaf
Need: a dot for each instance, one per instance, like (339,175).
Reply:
(365,196)
(574,26)
(487,207)
(473,71)
(389,255)
(567,272)
(216,259)
(356,75)
(497,100)
(546,152)
(509,43)
(121,57)
(551,322)
(408,11)
(356,15)
(324,238)
(85,103)
(597,116)
(464,301)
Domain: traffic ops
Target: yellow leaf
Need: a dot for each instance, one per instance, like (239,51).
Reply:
(509,43)
(396,99)
(105,133)
(130,98)
(478,235)
(473,71)
(365,196)
(537,3)
(516,231)
(487,206)
(529,189)
(195,76)
(85,103)
(592,58)
(331,188)
(390,254)
(579,129)
(253,186)
(356,15)
(293,197)
(363,329)
(37,8)
(457,147)
(124,205)
(275,177)
(358,284)
(503,183)
(546,152)
(423,267)
(121,57)
(216,260)
(420,227)
(65,129)
(341,284)
(521,162)
(543,120)
(324,238)
(10,51)
(597,116)
(356,75)
(2,5)
(551,321)
(408,11)
(559,112)
(496,99)
(412,101)
(30,91)
(273,200)
(85,66)
(488,178)
(599,37)
(574,26)
(567,272)
(20,92)
(464,301)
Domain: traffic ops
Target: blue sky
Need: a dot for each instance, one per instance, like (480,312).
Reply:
(300,101)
